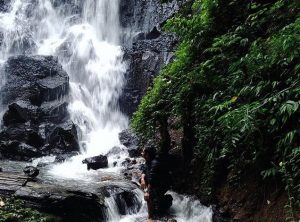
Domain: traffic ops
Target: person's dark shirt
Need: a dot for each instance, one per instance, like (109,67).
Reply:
(152,172)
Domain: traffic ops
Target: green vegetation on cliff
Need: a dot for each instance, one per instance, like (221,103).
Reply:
(234,91)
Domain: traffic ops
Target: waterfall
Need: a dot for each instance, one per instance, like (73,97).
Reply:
(85,37)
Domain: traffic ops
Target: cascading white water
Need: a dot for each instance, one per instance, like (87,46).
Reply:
(88,49)
(184,209)
(84,35)
(86,43)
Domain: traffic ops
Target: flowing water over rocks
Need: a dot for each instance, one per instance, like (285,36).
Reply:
(62,75)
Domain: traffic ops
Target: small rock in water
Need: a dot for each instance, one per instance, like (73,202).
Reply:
(1,169)
(96,162)
(31,171)
(106,178)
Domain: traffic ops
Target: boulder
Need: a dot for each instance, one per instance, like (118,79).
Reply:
(63,139)
(124,194)
(125,200)
(59,158)
(36,93)
(17,151)
(96,162)
(22,133)
(69,204)
(31,171)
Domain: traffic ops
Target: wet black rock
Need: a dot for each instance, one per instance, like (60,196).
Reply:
(125,200)
(146,58)
(36,95)
(63,139)
(74,204)
(22,133)
(125,196)
(31,171)
(69,205)
(126,162)
(165,203)
(4,5)
(59,158)
(130,141)
(144,15)
(34,79)
(220,214)
(153,34)
(17,151)
(96,162)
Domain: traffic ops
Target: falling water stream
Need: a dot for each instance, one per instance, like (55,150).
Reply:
(85,36)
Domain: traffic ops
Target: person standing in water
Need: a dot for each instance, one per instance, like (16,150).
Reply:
(154,184)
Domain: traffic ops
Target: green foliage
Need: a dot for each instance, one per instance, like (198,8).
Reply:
(13,210)
(235,79)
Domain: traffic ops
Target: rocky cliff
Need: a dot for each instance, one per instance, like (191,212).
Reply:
(36,120)
(147,47)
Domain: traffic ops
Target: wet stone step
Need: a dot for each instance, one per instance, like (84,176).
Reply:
(70,205)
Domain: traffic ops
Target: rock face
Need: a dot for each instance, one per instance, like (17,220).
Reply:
(4,5)
(141,15)
(36,122)
(131,142)
(147,48)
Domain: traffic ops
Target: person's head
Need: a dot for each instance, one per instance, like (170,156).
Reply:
(149,153)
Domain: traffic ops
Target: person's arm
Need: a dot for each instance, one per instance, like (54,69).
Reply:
(146,192)
(143,181)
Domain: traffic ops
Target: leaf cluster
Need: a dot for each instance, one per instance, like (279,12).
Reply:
(13,210)
(235,80)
